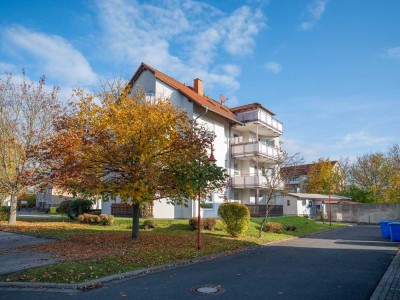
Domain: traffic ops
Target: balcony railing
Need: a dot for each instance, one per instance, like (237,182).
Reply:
(253,149)
(261,116)
(249,181)
(254,181)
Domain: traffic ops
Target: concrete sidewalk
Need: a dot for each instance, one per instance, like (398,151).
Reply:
(13,259)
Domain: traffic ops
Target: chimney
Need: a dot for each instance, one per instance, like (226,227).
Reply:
(198,86)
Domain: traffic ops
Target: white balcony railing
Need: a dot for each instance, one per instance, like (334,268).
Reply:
(254,148)
(262,116)
(249,181)
(256,181)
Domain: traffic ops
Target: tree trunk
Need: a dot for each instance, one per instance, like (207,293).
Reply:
(13,210)
(135,221)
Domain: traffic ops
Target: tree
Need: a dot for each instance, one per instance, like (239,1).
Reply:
(392,193)
(324,177)
(124,146)
(372,172)
(275,175)
(26,115)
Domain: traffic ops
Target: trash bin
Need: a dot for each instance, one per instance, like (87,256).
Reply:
(394,229)
(385,231)
(53,210)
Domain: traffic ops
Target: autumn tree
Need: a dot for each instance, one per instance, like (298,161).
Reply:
(392,193)
(115,143)
(26,114)
(325,177)
(372,172)
(275,175)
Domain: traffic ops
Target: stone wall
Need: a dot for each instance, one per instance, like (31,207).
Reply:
(365,213)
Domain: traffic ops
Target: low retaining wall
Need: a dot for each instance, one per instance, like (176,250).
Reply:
(365,213)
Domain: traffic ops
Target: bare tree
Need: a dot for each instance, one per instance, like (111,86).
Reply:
(275,174)
(26,115)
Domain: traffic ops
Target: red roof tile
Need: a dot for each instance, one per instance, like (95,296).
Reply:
(203,101)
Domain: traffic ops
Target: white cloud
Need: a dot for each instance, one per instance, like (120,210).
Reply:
(58,58)
(273,67)
(393,53)
(315,10)
(361,138)
(182,38)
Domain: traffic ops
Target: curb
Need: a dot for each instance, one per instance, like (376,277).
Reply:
(384,287)
(98,283)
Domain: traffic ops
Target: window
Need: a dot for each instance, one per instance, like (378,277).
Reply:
(236,169)
(236,196)
(208,203)
(288,203)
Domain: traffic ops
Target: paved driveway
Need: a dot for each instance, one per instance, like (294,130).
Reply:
(12,260)
(342,264)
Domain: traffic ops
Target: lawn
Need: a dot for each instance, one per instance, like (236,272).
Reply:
(94,251)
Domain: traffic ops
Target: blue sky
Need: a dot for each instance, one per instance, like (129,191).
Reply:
(329,69)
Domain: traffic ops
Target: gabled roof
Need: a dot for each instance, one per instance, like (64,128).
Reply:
(203,101)
(251,107)
(302,169)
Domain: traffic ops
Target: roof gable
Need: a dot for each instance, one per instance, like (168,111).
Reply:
(187,91)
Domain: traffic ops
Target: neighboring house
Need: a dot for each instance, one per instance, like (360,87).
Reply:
(52,197)
(297,183)
(241,133)
(300,204)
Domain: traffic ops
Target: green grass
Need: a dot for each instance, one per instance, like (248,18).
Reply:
(172,240)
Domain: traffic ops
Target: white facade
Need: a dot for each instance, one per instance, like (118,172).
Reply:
(239,136)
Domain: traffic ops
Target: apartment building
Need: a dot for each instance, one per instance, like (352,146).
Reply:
(242,136)
(297,183)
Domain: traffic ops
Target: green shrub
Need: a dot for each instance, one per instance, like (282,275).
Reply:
(321,216)
(149,224)
(209,223)
(81,206)
(236,218)
(291,228)
(65,206)
(4,213)
(273,227)
(193,223)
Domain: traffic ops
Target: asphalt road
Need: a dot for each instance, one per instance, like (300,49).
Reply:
(342,264)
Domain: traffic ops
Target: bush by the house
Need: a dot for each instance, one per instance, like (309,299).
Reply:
(4,213)
(321,216)
(236,218)
(149,224)
(193,223)
(96,219)
(209,223)
(291,228)
(273,227)
(81,206)
(106,220)
(65,207)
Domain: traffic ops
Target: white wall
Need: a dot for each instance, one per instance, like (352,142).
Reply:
(145,83)
(164,91)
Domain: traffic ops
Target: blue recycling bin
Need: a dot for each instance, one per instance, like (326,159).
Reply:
(385,231)
(394,228)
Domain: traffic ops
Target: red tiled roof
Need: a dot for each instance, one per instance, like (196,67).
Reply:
(250,107)
(203,101)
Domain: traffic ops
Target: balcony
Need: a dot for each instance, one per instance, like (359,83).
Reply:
(249,149)
(253,181)
(249,181)
(263,118)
